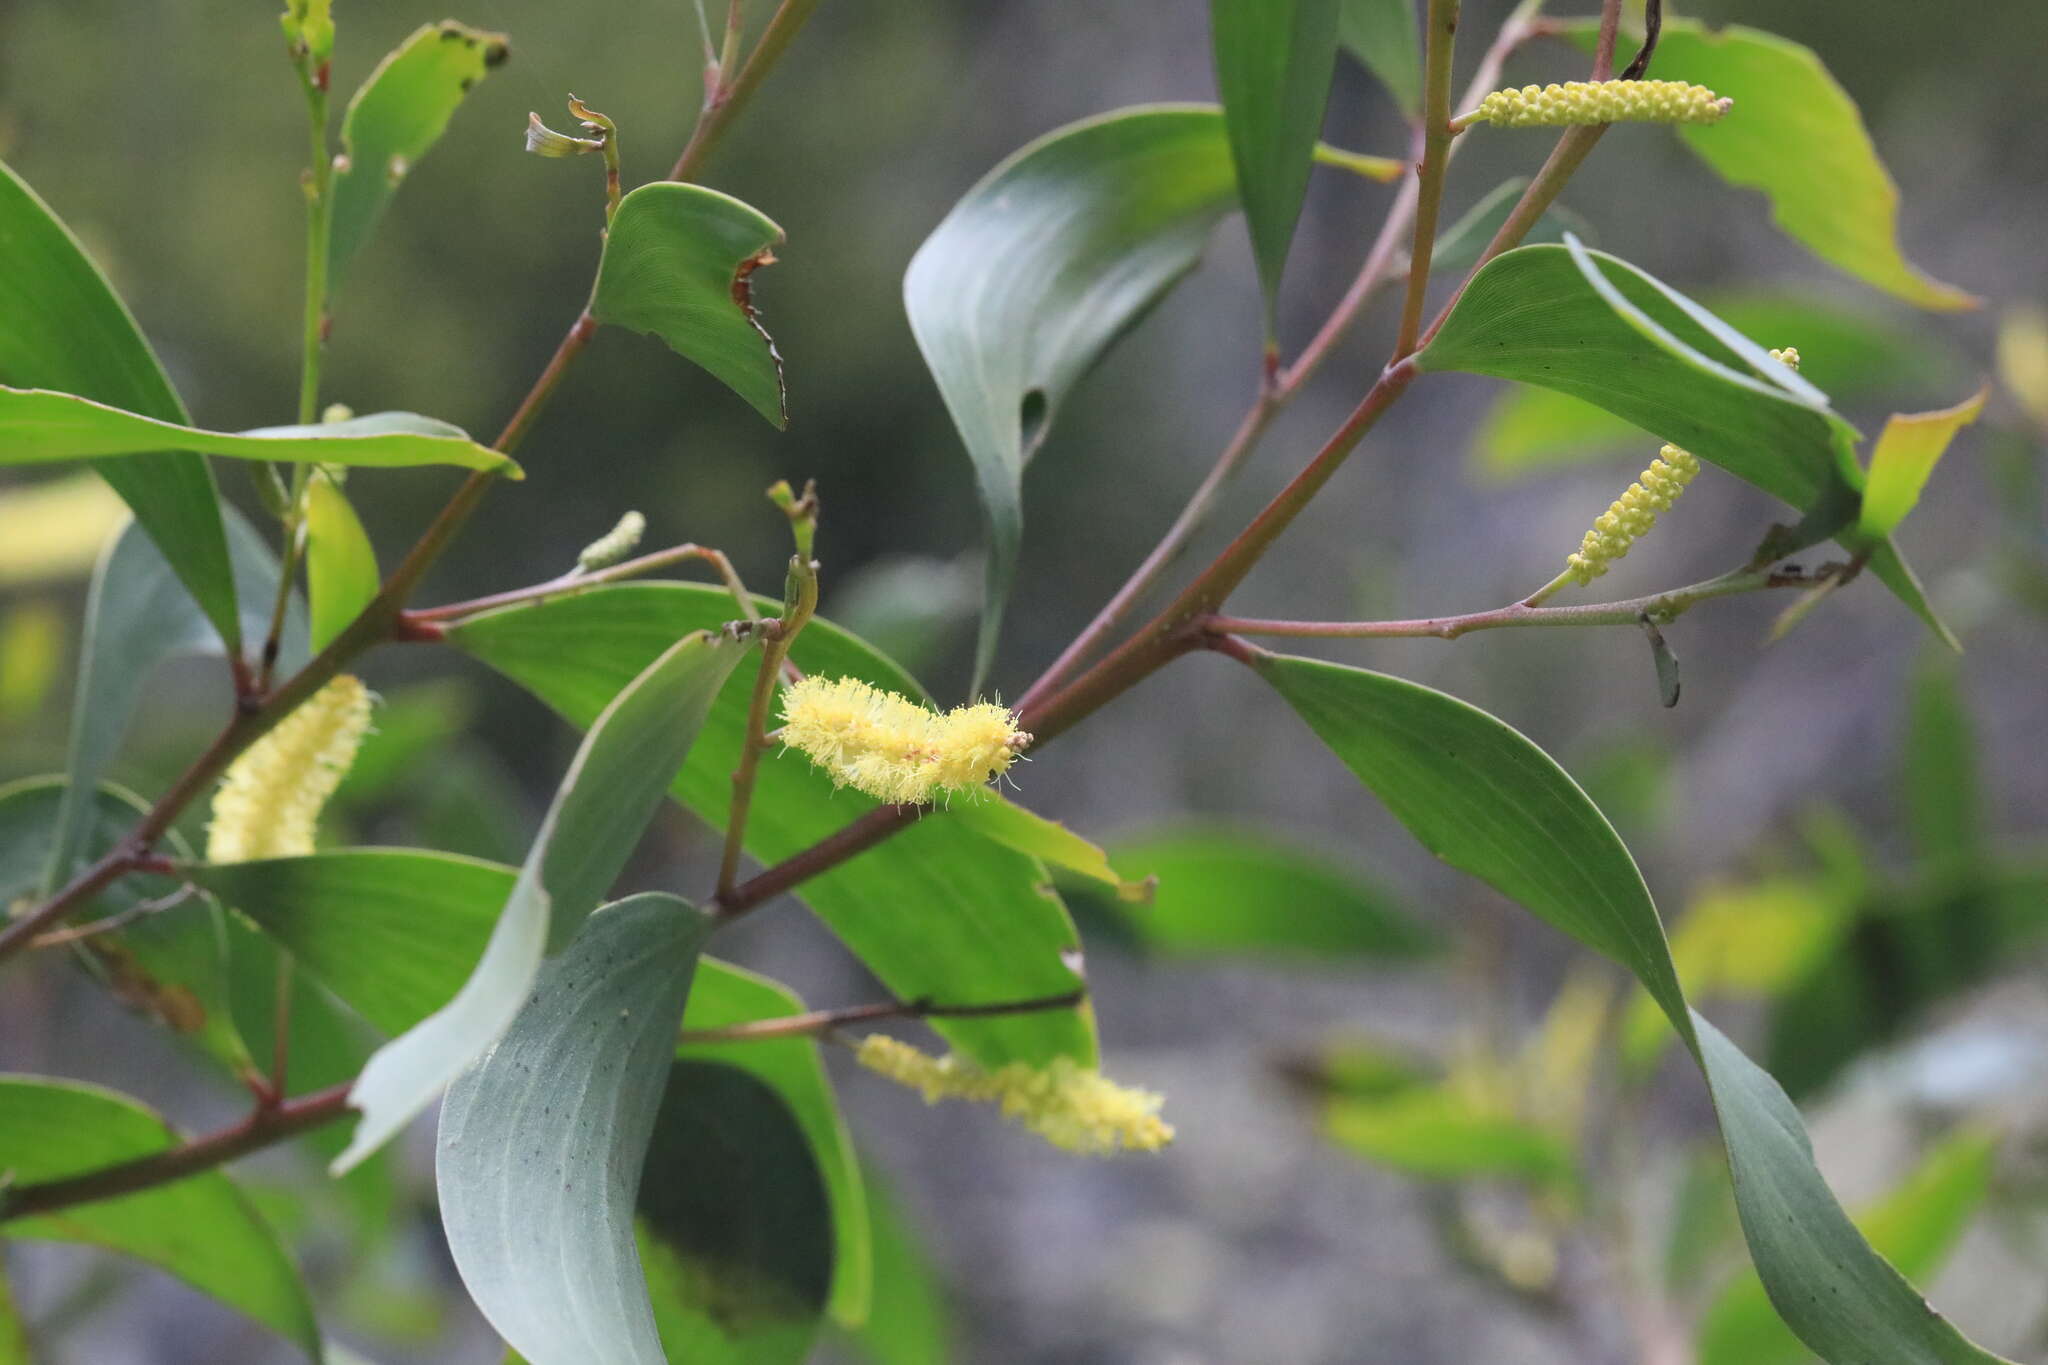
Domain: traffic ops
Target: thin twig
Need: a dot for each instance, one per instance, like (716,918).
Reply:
(777,637)
(819,1022)
(73,933)
(734,94)
(1440,29)
(569,584)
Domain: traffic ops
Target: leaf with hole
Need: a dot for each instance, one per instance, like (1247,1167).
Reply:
(1055,254)
(38,426)
(1274,59)
(395,118)
(200,1229)
(63,328)
(1484,799)
(635,744)
(679,262)
(541,1144)
(936,910)
(1796,135)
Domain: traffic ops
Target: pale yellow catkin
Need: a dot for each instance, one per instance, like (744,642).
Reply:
(270,800)
(1072,1107)
(892,748)
(1632,514)
(1590,102)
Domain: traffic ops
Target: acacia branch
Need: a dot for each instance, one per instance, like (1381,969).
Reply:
(818,1022)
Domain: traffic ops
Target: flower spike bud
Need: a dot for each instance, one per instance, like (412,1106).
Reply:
(614,545)
(1631,515)
(895,749)
(1788,356)
(271,798)
(1590,102)
(1072,1107)
(542,140)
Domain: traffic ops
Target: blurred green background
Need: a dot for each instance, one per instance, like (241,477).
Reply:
(170,138)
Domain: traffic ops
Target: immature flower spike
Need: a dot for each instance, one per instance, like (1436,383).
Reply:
(1587,102)
(1789,356)
(1070,1106)
(271,798)
(614,545)
(1633,513)
(892,748)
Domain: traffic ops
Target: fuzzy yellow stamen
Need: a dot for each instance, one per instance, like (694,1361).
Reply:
(1633,513)
(1072,1107)
(271,798)
(1588,102)
(892,748)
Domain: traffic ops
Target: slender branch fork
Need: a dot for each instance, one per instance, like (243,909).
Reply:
(1185,625)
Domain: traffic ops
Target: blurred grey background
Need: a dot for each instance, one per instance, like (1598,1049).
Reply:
(169,137)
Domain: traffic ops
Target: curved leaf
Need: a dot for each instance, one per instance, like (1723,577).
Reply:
(1274,59)
(1385,36)
(734,1223)
(1906,452)
(38,425)
(1056,252)
(678,260)
(341,564)
(200,1229)
(136,617)
(62,327)
(1487,801)
(394,934)
(395,118)
(541,1142)
(1797,136)
(604,803)
(1222,890)
(936,910)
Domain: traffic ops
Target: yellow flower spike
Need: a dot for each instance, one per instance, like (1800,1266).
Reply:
(1072,1107)
(1590,102)
(1631,515)
(892,748)
(271,798)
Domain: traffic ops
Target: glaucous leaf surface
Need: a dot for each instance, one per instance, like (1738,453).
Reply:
(678,264)
(1796,135)
(395,118)
(538,1162)
(1916,1225)
(39,425)
(1274,59)
(1227,891)
(394,933)
(1055,254)
(137,615)
(63,328)
(341,564)
(635,744)
(935,911)
(735,1223)
(200,1229)
(1480,796)
(1387,37)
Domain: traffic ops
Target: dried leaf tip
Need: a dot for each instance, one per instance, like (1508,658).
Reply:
(270,800)
(1073,1107)
(1591,102)
(895,749)
(1631,515)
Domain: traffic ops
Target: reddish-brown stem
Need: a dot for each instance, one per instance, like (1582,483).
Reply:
(826,1021)
(1603,50)
(1440,29)
(568,585)
(263,1126)
(855,837)
(731,96)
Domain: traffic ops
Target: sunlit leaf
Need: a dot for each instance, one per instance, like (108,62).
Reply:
(1056,253)
(541,1143)
(1904,457)
(1274,59)
(395,118)
(1796,135)
(934,911)
(200,1229)
(38,425)
(1487,801)
(62,328)
(613,785)
(1049,841)
(341,564)
(678,264)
